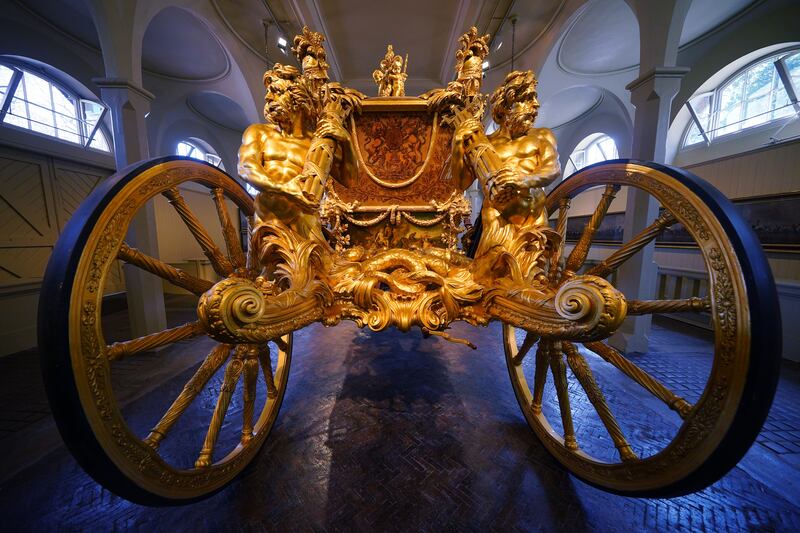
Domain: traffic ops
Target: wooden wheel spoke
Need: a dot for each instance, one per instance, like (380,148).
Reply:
(232,373)
(120,350)
(648,382)
(176,276)
(585,377)
(559,369)
(540,377)
(525,347)
(232,242)
(561,229)
(252,251)
(630,248)
(219,262)
(249,396)
(198,381)
(649,307)
(578,255)
(266,368)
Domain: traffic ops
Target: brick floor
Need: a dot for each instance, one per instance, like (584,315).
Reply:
(394,432)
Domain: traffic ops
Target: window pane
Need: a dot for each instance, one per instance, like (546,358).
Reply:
(759,80)
(592,149)
(17,114)
(793,64)
(609,147)
(694,136)
(183,148)
(781,103)
(188,149)
(99,142)
(37,90)
(5,78)
(730,106)
(579,158)
(91,114)
(757,111)
(702,108)
(594,155)
(214,159)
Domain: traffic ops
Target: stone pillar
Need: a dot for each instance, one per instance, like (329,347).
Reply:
(652,95)
(128,105)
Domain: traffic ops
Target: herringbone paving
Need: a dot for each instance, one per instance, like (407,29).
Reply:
(394,432)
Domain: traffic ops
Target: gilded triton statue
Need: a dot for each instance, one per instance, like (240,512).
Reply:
(358,214)
(512,165)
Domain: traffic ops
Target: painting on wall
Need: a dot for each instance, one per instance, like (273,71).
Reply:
(609,232)
(774,218)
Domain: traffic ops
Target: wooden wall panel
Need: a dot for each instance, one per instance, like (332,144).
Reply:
(38,194)
(26,216)
(770,170)
(72,184)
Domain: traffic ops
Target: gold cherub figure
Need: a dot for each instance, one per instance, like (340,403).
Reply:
(392,74)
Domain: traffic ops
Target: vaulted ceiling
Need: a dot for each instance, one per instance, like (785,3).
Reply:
(358,31)
(601,41)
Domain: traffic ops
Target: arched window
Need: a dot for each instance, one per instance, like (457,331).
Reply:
(198,150)
(762,92)
(592,149)
(35,103)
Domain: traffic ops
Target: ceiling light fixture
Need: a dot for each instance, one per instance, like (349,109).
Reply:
(499,45)
(485,65)
(282,42)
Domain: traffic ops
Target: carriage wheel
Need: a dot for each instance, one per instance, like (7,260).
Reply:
(140,461)
(672,430)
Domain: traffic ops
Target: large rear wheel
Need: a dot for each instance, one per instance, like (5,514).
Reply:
(665,423)
(189,450)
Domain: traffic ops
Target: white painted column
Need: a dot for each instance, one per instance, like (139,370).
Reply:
(475,199)
(128,105)
(652,95)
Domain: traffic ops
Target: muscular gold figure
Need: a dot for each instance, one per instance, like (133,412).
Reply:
(513,164)
(273,156)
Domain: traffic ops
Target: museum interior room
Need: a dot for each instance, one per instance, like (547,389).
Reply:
(358,265)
